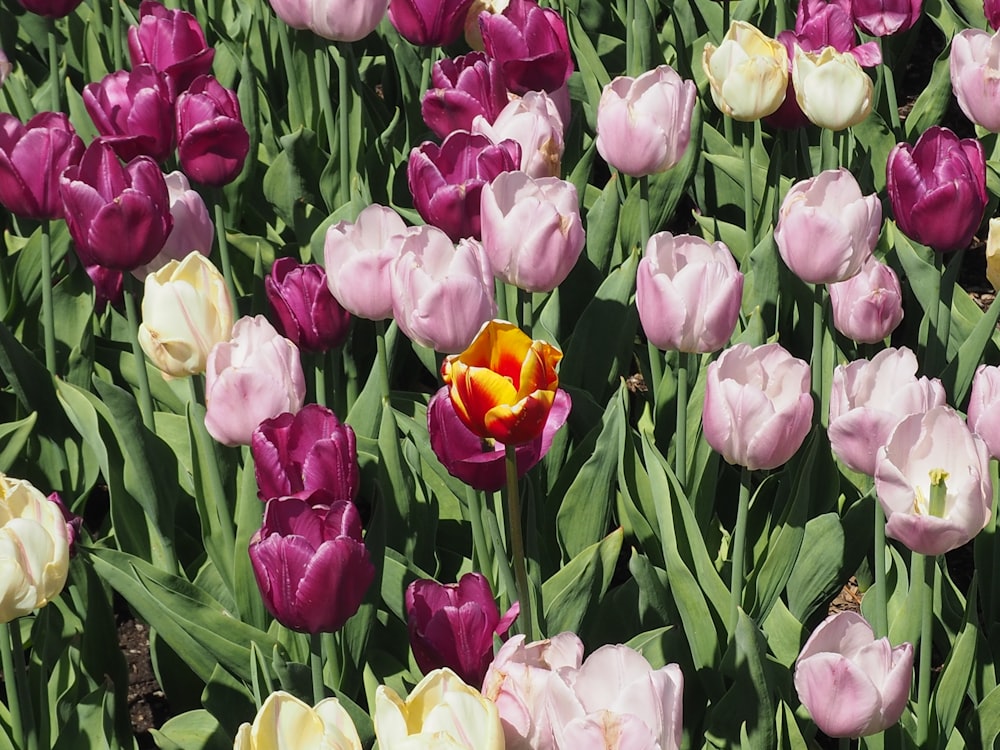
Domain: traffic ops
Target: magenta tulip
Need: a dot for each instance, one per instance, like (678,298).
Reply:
(134,113)
(32,157)
(984,407)
(852,684)
(193,230)
(462,89)
(118,216)
(306,311)
(212,142)
(531,45)
(867,307)
(453,625)
(431,23)
(336,20)
(534,122)
(297,454)
(938,188)
(992,10)
(975,76)
(885,17)
(172,42)
(108,287)
(311,564)
(50,8)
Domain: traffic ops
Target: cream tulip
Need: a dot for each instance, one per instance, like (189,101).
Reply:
(286,723)
(831,88)
(748,72)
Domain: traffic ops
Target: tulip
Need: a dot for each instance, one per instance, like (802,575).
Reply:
(32,157)
(758,408)
(463,88)
(34,549)
(358,257)
(867,307)
(852,684)
(748,72)
(429,23)
(108,287)
(504,384)
(440,712)
(831,88)
(933,481)
(975,76)
(827,228)
(531,45)
(118,216)
(336,20)
(73,521)
(885,17)
(134,112)
(535,124)
(984,407)
(473,35)
(993,254)
(480,463)
(688,293)
(869,398)
(297,454)
(938,188)
(5,67)
(307,313)
(50,8)
(453,625)
(254,376)
(441,295)
(992,10)
(310,562)
(172,42)
(284,721)
(212,142)
(532,230)
(447,180)
(193,230)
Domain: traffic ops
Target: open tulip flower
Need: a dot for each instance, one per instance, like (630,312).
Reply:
(831,88)
(284,722)
(531,45)
(533,121)
(173,42)
(885,17)
(504,384)
(975,76)
(463,88)
(748,72)
(134,112)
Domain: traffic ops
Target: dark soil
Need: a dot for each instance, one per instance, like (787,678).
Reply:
(147,705)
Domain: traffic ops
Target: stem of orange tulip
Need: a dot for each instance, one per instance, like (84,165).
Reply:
(739,551)
(924,575)
(517,543)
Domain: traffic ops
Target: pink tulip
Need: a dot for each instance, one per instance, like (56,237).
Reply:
(212,142)
(254,376)
(533,122)
(357,258)
(336,20)
(688,293)
(32,157)
(933,482)
(869,306)
(984,407)
(193,230)
(462,89)
(827,228)
(306,312)
(885,17)
(869,398)
(532,230)
(134,112)
(758,408)
(975,76)
(172,42)
(441,295)
(852,684)
(531,45)
(644,123)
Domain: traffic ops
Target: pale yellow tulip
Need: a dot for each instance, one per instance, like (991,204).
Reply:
(831,88)
(748,72)
(286,723)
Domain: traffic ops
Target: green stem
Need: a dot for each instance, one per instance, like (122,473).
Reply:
(296,117)
(748,211)
(350,384)
(117,54)
(500,291)
(500,555)
(993,610)
(474,508)
(319,377)
(629,37)
(321,59)
(332,654)
(739,550)
(829,158)
(680,434)
(382,358)
(48,310)
(926,583)
(816,365)
(53,49)
(655,371)
(881,612)
(16,676)
(517,543)
(316,667)
(890,89)
(527,313)
(345,92)
(227,269)
(145,395)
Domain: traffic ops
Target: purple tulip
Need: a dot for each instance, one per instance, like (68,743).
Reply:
(992,10)
(134,113)
(429,23)
(50,8)
(74,523)
(32,157)
(867,307)
(984,407)
(531,45)
(479,463)
(109,287)
(118,216)
(172,42)
(463,88)
(212,142)
(311,565)
(306,311)
(296,454)
(938,188)
(885,17)
(453,625)
(975,76)
(446,181)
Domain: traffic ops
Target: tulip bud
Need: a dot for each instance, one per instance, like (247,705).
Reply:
(430,23)
(867,307)
(984,407)
(172,42)
(336,20)
(284,721)
(463,88)
(212,142)
(134,113)
(531,45)
(50,8)
(992,10)
(831,88)
(254,376)
(32,157)
(534,123)
(748,72)
(306,311)
(193,230)
(885,17)
(975,76)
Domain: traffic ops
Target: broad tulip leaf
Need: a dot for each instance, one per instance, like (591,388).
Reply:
(952,683)
(228,700)
(784,634)
(91,723)
(193,730)
(931,105)
(988,714)
(14,435)
(818,569)
(581,584)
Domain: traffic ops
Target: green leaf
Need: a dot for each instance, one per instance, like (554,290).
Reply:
(931,105)
(952,683)
(988,713)
(193,730)
(15,435)
(817,570)
(581,584)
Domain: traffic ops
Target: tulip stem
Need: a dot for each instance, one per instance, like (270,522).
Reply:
(517,543)
(629,37)
(383,359)
(316,666)
(889,83)
(321,59)
(344,93)
(816,366)
(926,581)
(680,434)
(48,311)
(227,269)
(53,49)
(142,376)
(319,377)
(525,301)
(116,34)
(16,681)
(881,612)
(739,550)
(474,508)
(748,210)
(296,118)
(500,555)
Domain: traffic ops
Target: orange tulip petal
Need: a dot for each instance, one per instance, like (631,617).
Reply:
(522,422)
(477,391)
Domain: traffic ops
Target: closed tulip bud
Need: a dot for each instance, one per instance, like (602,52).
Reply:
(852,684)
(336,20)
(34,549)
(688,293)
(429,22)
(118,216)
(758,408)
(212,142)
(885,17)
(867,307)
(440,713)
(306,311)
(32,157)
(193,230)
(447,180)
(531,45)
(172,42)
(532,230)
(298,454)
(186,310)
(134,113)
(254,376)
(938,188)
(358,256)
(748,72)
(535,124)
(462,89)
(481,463)
(50,8)
(975,76)
(310,562)
(453,625)
(984,407)
(504,384)
(993,254)
(284,721)
(827,228)
(831,88)
(441,294)
(992,10)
